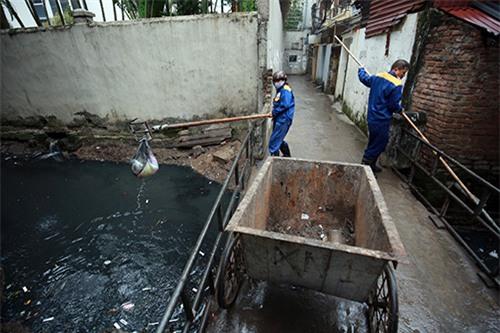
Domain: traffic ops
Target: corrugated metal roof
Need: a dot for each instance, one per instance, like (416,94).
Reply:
(473,15)
(384,14)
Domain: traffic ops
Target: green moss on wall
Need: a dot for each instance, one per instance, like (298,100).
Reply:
(358,119)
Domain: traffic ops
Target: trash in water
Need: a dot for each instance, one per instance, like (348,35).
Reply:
(144,163)
(52,236)
(147,201)
(38,303)
(25,289)
(194,290)
(76,240)
(304,216)
(124,322)
(494,254)
(47,319)
(146,289)
(127,306)
(481,250)
(173,320)
(28,302)
(9,286)
(107,262)
(117,326)
(154,324)
(54,152)
(201,253)
(322,233)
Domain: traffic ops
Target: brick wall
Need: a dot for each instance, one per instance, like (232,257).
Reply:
(457,86)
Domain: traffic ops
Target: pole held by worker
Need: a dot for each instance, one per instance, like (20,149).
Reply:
(212,121)
(410,122)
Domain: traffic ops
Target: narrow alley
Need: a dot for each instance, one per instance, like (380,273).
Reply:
(146,186)
(439,290)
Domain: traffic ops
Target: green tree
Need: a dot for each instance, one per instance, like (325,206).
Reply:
(143,8)
(56,19)
(188,7)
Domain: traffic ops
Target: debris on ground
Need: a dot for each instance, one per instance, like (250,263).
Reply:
(224,155)
(331,223)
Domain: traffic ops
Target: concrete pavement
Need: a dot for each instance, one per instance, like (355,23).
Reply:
(439,290)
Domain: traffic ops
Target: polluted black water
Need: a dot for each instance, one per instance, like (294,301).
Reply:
(87,247)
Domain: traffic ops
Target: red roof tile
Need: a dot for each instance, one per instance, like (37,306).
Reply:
(385,14)
(474,16)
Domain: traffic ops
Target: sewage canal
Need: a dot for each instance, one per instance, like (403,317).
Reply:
(87,246)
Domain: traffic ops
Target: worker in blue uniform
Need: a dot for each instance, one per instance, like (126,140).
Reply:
(283,111)
(386,89)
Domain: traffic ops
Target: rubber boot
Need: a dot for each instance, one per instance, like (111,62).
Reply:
(374,166)
(285,149)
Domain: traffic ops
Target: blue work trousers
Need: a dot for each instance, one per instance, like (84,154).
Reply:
(378,137)
(277,141)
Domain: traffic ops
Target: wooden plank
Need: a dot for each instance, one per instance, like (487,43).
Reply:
(201,142)
(224,133)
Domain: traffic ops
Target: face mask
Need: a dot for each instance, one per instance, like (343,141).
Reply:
(278,84)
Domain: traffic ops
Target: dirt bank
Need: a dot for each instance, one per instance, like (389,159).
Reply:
(212,161)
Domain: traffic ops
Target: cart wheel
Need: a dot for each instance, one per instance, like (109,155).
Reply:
(231,273)
(383,310)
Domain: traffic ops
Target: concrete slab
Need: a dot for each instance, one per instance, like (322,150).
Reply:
(439,290)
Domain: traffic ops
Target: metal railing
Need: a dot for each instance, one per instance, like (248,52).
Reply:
(122,10)
(425,159)
(196,309)
(59,11)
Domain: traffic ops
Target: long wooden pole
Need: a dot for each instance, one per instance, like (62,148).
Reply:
(211,121)
(445,164)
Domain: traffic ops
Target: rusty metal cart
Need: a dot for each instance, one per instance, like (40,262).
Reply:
(319,225)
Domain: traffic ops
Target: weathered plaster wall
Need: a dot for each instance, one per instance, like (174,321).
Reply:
(179,67)
(295,46)
(371,52)
(275,37)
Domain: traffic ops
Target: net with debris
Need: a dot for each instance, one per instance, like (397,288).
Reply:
(144,163)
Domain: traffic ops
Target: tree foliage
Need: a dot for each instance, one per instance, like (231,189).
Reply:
(155,8)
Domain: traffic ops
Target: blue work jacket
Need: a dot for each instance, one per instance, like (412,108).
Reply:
(284,104)
(385,95)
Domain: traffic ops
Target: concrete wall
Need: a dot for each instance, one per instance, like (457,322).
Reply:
(275,37)
(295,45)
(178,67)
(371,52)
